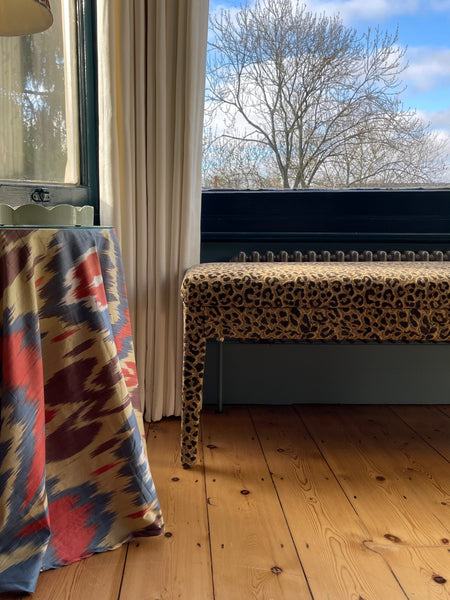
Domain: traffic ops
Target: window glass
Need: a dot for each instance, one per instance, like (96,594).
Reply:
(39,124)
(328,95)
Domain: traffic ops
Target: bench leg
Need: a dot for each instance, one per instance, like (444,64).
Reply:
(193,372)
(220,379)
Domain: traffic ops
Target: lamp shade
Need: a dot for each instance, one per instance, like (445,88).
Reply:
(22,17)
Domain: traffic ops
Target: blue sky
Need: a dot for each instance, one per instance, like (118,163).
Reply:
(424,27)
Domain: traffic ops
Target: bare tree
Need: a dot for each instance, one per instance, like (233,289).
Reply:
(400,152)
(235,164)
(321,100)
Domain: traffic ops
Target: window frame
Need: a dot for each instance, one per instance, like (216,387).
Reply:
(87,192)
(360,219)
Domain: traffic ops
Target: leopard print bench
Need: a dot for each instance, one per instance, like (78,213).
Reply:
(382,301)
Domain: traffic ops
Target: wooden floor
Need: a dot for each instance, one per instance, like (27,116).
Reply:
(295,503)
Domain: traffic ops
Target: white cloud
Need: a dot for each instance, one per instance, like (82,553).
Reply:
(439,120)
(444,136)
(350,10)
(354,10)
(428,68)
(442,119)
(439,123)
(440,5)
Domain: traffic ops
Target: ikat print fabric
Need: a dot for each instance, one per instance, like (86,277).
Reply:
(74,473)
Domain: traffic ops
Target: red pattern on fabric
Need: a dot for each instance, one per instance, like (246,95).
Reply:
(130,374)
(50,414)
(34,527)
(124,333)
(71,532)
(88,273)
(104,469)
(22,368)
(138,515)
(64,335)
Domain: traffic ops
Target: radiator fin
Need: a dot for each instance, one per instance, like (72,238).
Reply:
(341,256)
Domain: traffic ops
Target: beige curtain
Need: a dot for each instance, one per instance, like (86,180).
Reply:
(151,69)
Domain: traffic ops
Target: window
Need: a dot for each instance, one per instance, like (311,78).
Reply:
(300,98)
(48,111)
(308,110)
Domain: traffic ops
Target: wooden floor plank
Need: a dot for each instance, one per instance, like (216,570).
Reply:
(334,482)
(81,580)
(424,573)
(176,565)
(445,408)
(328,533)
(252,551)
(429,422)
(397,483)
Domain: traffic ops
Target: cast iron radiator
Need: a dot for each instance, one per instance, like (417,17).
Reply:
(341,256)
(327,256)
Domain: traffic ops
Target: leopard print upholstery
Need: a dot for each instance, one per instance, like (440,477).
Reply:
(381,301)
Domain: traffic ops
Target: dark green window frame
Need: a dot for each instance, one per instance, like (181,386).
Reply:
(87,192)
(234,221)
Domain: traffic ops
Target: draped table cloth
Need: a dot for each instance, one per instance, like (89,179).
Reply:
(74,473)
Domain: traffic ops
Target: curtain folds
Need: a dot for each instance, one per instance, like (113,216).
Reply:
(151,70)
